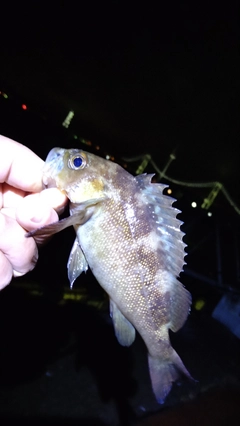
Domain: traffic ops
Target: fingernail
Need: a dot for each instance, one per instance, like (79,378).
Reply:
(35,258)
(17,273)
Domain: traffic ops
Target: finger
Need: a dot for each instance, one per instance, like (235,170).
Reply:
(54,198)
(11,196)
(6,271)
(20,251)
(19,166)
(37,210)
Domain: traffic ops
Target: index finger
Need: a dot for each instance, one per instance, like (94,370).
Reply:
(19,166)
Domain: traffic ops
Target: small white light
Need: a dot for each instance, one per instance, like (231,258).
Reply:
(169,191)
(209,214)
(107,157)
(194,204)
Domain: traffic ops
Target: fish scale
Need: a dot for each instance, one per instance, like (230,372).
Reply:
(110,267)
(127,232)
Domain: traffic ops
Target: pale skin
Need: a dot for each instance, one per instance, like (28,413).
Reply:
(24,206)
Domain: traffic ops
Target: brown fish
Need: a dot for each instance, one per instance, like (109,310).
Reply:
(128,234)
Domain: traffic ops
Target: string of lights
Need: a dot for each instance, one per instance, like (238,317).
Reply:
(216,186)
(142,163)
(146,159)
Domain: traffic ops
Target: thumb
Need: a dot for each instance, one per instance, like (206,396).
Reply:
(36,210)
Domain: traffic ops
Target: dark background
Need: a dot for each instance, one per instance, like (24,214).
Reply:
(141,79)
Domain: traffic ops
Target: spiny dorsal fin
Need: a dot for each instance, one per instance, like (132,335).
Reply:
(164,220)
(167,227)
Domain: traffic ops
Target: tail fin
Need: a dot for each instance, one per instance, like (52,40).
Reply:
(164,372)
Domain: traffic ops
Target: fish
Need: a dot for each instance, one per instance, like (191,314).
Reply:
(128,234)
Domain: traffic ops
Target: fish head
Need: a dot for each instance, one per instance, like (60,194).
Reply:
(80,175)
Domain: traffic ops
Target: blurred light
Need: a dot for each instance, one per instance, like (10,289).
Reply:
(143,165)
(209,214)
(112,158)
(72,296)
(194,204)
(199,304)
(5,95)
(207,202)
(108,157)
(36,293)
(169,191)
(97,147)
(75,137)
(86,142)
(24,107)
(68,119)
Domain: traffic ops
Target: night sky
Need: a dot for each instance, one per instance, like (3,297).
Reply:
(140,78)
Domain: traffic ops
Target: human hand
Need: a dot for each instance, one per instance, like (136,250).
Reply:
(23,207)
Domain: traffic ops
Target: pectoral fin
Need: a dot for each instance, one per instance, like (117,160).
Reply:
(47,231)
(124,330)
(76,263)
(81,215)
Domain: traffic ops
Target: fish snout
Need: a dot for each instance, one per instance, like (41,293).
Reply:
(54,154)
(53,166)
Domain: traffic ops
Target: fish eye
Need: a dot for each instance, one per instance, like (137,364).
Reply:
(77,161)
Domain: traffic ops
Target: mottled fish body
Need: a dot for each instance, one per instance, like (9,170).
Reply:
(128,234)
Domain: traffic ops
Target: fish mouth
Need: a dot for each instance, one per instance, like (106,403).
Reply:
(48,182)
(53,166)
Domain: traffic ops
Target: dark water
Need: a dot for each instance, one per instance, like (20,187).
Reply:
(61,364)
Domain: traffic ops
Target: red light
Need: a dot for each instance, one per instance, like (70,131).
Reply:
(24,106)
